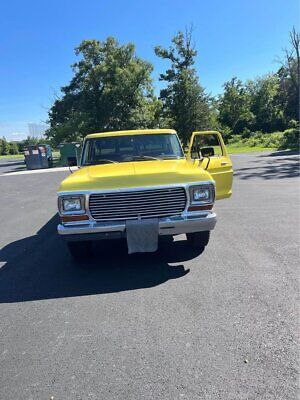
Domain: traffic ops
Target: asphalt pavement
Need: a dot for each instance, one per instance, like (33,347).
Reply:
(170,325)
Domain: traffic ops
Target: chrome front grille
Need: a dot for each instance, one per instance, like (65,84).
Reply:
(137,203)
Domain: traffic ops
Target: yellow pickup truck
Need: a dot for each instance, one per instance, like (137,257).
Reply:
(142,181)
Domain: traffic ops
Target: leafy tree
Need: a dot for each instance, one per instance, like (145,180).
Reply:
(185,104)
(32,141)
(289,76)
(13,148)
(4,147)
(264,104)
(111,89)
(235,106)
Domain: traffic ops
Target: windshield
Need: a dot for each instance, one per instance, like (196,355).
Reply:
(143,147)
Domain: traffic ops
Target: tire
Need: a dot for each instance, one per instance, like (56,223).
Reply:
(80,250)
(198,240)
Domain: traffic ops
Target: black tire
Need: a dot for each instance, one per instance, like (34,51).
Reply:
(198,240)
(80,250)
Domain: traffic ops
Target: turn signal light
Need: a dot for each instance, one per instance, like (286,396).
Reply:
(72,218)
(200,208)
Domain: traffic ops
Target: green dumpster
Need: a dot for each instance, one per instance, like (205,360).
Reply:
(70,153)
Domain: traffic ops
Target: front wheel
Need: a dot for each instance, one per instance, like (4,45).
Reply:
(198,240)
(80,250)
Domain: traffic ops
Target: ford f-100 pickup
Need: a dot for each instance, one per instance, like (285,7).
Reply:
(139,176)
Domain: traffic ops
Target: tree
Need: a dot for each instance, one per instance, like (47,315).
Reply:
(185,104)
(13,148)
(289,75)
(111,89)
(32,141)
(235,106)
(263,93)
(4,147)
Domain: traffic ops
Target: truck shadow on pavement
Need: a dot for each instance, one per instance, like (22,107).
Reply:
(39,267)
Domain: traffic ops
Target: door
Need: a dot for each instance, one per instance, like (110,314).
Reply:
(209,151)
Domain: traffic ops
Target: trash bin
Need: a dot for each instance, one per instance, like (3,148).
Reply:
(70,153)
(39,156)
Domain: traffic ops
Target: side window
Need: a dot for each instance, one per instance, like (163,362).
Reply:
(207,144)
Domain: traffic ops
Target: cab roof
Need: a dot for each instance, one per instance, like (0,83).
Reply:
(130,132)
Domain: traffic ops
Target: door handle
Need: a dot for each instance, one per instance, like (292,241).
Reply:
(224,163)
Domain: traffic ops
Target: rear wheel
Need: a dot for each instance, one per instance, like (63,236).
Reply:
(198,240)
(80,250)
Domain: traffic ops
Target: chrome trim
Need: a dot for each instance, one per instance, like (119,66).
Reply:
(203,202)
(87,193)
(132,204)
(61,210)
(193,222)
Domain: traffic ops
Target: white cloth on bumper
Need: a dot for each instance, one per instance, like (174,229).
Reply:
(142,235)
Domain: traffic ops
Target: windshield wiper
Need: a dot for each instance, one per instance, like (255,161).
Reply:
(143,157)
(170,156)
(102,161)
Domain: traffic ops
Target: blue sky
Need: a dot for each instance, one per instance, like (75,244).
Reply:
(233,38)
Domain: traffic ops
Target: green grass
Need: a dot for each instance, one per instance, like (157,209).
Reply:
(247,149)
(55,154)
(232,149)
(12,156)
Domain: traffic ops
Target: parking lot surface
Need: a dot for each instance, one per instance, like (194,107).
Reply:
(169,325)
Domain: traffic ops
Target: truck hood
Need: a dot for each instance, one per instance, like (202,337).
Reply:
(134,175)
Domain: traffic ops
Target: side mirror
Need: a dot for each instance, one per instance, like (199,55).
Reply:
(195,152)
(207,151)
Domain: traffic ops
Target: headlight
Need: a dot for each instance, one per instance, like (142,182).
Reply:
(71,205)
(202,194)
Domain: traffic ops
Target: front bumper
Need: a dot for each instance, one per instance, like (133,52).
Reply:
(191,222)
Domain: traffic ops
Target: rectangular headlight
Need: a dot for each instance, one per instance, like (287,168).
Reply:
(202,194)
(71,205)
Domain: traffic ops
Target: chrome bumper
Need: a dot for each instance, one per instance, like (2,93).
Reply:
(191,222)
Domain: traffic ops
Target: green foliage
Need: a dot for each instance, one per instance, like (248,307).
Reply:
(235,106)
(32,141)
(255,105)
(256,139)
(185,104)
(268,103)
(294,124)
(111,89)
(290,139)
(13,148)
(7,148)
(264,104)
(4,147)
(288,92)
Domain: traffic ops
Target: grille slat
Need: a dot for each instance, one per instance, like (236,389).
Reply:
(132,204)
(140,192)
(120,195)
(134,211)
(137,204)
(110,201)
